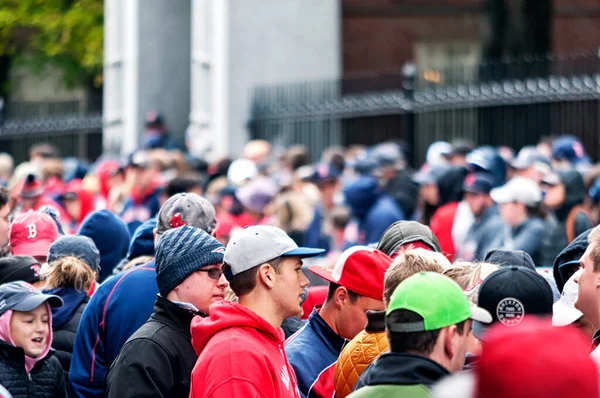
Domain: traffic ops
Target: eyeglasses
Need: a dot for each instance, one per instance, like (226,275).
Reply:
(213,273)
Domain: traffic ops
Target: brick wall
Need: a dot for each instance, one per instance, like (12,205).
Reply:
(380,35)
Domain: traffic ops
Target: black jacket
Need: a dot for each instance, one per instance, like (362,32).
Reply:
(45,380)
(158,359)
(64,337)
(402,369)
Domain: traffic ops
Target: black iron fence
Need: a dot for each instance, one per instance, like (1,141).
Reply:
(73,126)
(511,102)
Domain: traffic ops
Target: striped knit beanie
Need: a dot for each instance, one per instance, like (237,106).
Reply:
(181,252)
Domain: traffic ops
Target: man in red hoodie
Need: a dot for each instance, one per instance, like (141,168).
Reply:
(240,346)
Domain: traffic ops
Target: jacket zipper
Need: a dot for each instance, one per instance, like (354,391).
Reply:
(30,383)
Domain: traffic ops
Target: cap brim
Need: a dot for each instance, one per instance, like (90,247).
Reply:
(34,301)
(478,314)
(323,273)
(479,329)
(563,315)
(500,195)
(303,252)
(520,164)
(33,249)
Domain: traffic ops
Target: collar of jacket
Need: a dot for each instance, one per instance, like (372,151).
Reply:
(15,356)
(405,369)
(375,321)
(167,312)
(333,340)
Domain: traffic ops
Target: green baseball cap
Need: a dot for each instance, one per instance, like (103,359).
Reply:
(437,299)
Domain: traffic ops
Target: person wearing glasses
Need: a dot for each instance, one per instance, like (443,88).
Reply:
(158,358)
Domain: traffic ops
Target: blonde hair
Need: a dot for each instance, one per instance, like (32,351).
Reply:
(70,272)
(408,263)
(470,276)
(594,238)
(137,261)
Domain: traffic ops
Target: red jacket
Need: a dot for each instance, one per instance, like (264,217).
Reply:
(240,355)
(441,225)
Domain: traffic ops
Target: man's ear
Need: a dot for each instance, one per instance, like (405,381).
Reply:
(448,335)
(266,275)
(341,297)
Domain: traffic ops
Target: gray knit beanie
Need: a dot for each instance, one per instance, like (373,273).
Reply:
(181,252)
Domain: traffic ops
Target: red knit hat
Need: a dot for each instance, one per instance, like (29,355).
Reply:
(533,359)
(360,269)
(32,188)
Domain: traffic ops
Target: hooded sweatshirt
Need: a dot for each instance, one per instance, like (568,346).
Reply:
(65,320)
(240,355)
(86,202)
(6,336)
(111,237)
(24,376)
(374,210)
(399,375)
(142,244)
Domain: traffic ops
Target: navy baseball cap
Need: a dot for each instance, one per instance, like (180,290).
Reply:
(324,172)
(568,148)
(21,296)
(77,246)
(510,258)
(479,183)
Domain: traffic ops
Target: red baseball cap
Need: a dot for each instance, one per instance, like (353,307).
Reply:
(533,359)
(360,269)
(32,233)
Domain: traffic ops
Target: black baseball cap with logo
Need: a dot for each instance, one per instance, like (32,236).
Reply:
(510,294)
(21,296)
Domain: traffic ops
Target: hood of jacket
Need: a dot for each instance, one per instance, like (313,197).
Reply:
(225,315)
(574,192)
(450,185)
(103,172)
(404,369)
(142,241)
(86,200)
(6,336)
(361,195)
(111,237)
(567,261)
(72,299)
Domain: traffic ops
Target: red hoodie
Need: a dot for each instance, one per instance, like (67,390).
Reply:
(240,355)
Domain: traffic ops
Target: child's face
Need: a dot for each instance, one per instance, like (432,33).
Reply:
(29,330)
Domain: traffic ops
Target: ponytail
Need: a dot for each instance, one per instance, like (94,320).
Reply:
(70,272)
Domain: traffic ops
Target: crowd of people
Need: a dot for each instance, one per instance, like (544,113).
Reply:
(281,275)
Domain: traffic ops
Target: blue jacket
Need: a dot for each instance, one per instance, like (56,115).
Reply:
(374,210)
(313,352)
(135,215)
(116,310)
(313,237)
(111,237)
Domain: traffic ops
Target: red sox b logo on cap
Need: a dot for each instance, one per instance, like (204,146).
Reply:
(31,231)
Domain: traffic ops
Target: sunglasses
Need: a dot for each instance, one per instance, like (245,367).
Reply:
(213,273)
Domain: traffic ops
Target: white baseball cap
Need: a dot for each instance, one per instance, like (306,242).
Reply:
(564,312)
(518,189)
(256,245)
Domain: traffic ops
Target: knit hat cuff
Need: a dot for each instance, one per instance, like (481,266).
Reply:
(172,276)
